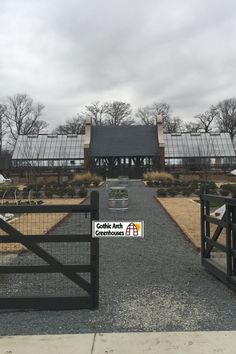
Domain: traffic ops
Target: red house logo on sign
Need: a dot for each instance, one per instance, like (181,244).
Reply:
(131,230)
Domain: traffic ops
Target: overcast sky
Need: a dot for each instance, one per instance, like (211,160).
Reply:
(69,53)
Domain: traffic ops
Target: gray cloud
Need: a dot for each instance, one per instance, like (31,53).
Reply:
(67,54)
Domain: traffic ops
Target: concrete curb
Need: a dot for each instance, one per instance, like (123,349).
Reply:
(122,343)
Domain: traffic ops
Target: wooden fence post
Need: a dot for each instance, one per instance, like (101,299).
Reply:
(234,237)
(94,257)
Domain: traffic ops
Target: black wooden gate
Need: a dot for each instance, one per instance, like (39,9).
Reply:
(218,238)
(48,258)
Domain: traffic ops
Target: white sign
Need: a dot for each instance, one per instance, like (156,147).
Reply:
(111,229)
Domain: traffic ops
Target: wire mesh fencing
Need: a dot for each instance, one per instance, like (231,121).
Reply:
(48,253)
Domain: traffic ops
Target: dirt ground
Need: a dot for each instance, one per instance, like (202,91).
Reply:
(36,224)
(63,201)
(186,213)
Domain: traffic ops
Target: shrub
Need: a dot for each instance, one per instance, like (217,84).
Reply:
(161,193)
(82,193)
(186,192)
(48,193)
(8,192)
(191,190)
(50,186)
(36,194)
(178,189)
(229,187)
(30,202)
(226,186)
(172,192)
(33,202)
(25,194)
(194,185)
(60,192)
(224,192)
(7,187)
(177,183)
(209,185)
(212,185)
(70,191)
(34,187)
(150,183)
(86,179)
(212,191)
(158,183)
(118,194)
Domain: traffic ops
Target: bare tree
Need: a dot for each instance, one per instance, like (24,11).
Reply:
(192,127)
(97,111)
(206,119)
(226,116)
(75,125)
(22,116)
(173,125)
(38,127)
(2,125)
(161,109)
(128,121)
(145,115)
(148,114)
(118,113)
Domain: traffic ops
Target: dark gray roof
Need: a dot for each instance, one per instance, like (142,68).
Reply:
(136,140)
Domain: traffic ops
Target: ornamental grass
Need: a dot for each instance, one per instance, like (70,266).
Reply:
(86,179)
(156,176)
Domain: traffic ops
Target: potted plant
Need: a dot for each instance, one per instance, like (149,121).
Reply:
(118,198)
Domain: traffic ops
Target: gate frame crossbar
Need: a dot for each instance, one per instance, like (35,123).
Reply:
(228,223)
(91,300)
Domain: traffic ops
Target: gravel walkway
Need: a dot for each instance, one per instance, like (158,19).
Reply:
(150,284)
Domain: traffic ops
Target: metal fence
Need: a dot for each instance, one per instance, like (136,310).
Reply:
(48,258)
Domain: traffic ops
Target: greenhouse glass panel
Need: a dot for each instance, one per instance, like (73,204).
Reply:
(198,145)
(49,147)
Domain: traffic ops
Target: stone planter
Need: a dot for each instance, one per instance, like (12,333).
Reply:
(123,181)
(118,203)
(118,198)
